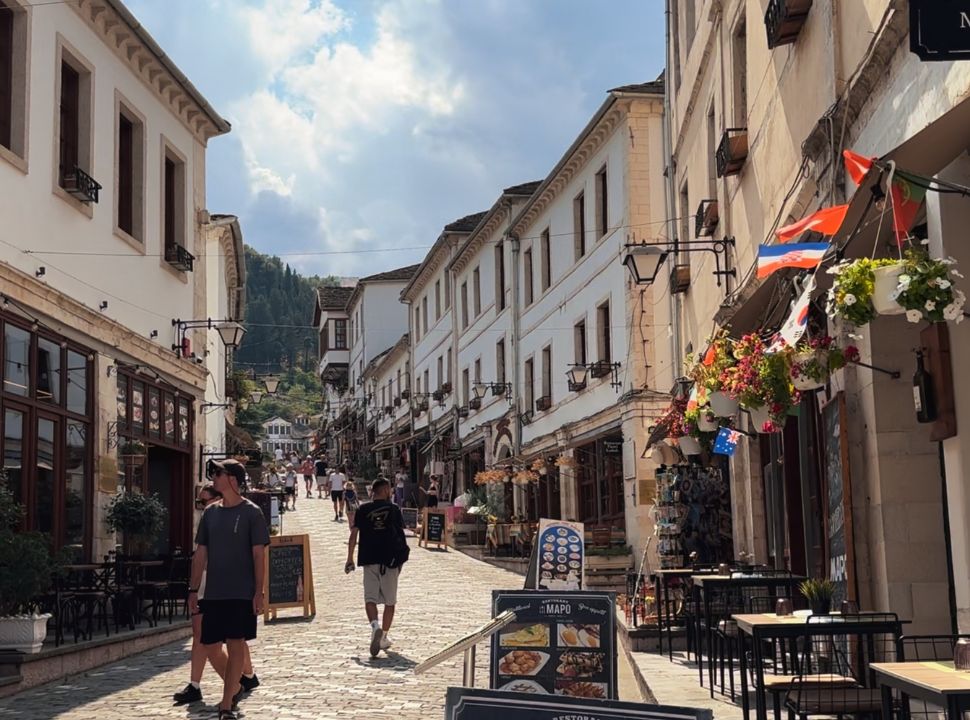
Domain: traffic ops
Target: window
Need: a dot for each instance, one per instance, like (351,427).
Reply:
(465,387)
(739,51)
(500,361)
(579,343)
(447,290)
(427,380)
(174,214)
(130,165)
(499,277)
(545,261)
(547,372)
(70,126)
(437,300)
(527,275)
(530,395)
(441,371)
(477,291)
(417,323)
(603,330)
(478,370)
(711,153)
(675,36)
(690,23)
(324,338)
(579,226)
(399,388)
(602,204)
(13,78)
(424,313)
(464,305)
(448,366)
(340,334)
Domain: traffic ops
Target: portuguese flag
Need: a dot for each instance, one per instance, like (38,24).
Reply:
(907,199)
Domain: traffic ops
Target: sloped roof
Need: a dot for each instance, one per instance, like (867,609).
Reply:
(404,273)
(467,223)
(333,298)
(523,189)
(655,87)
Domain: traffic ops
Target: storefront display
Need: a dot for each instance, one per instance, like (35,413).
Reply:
(693,515)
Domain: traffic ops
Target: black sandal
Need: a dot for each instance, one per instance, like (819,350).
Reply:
(228,715)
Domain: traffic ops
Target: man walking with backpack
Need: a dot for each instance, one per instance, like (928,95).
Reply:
(379,528)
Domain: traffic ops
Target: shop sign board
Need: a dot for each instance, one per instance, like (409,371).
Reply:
(939,29)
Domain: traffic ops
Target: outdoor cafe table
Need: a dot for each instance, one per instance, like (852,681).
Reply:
(710,585)
(662,581)
(936,682)
(762,627)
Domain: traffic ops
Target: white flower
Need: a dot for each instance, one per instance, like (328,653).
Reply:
(904,281)
(914,316)
(930,306)
(960,318)
(849,299)
(855,336)
(943,284)
(957,274)
(951,312)
(924,241)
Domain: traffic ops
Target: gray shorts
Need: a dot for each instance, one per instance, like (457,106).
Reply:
(380,589)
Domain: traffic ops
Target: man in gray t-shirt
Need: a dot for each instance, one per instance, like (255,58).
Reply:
(231,540)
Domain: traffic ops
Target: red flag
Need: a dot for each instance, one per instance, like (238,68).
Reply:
(907,200)
(826,221)
(856,165)
(710,356)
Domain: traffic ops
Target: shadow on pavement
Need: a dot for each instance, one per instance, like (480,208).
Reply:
(394,661)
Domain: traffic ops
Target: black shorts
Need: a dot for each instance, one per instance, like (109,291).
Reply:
(336,495)
(227,620)
(291,491)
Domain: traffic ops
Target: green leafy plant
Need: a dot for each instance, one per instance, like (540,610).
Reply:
(850,297)
(27,567)
(818,592)
(817,358)
(926,288)
(707,370)
(761,379)
(132,447)
(138,517)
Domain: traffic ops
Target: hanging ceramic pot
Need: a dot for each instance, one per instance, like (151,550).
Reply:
(759,418)
(723,404)
(663,454)
(706,422)
(802,381)
(688,445)
(887,279)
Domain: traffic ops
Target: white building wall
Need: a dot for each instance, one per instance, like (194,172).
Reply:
(436,341)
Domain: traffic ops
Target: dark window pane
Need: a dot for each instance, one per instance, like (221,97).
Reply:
(16,360)
(48,371)
(169,418)
(154,412)
(75,487)
(44,486)
(137,406)
(183,423)
(13,451)
(122,402)
(77,383)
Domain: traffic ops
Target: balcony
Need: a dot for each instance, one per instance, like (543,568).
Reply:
(544,403)
(179,258)
(475,403)
(463,411)
(732,152)
(388,409)
(397,401)
(706,219)
(600,369)
(784,20)
(80,185)
(438,395)
(446,388)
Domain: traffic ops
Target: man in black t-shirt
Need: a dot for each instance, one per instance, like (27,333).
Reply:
(321,472)
(379,526)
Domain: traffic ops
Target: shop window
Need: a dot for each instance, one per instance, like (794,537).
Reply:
(77,383)
(48,378)
(77,450)
(16,360)
(43,490)
(13,451)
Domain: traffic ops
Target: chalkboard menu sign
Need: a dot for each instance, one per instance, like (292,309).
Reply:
(434,528)
(838,522)
(477,704)
(561,644)
(410,518)
(289,575)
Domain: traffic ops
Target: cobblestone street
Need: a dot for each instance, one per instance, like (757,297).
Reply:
(317,668)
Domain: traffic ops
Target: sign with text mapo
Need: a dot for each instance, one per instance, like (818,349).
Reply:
(289,575)
(560,644)
(477,704)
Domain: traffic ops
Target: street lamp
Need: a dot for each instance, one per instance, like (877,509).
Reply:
(577,377)
(643,262)
(480,389)
(231,333)
(272,384)
(256,396)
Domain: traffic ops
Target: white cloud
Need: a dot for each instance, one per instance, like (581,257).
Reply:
(283,30)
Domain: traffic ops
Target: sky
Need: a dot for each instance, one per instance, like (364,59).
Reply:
(362,127)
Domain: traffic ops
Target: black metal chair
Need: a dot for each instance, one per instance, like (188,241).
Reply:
(152,590)
(178,585)
(87,596)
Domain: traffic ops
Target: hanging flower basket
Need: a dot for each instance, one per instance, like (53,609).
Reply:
(884,290)
(851,296)
(707,420)
(926,289)
(723,404)
(663,454)
(804,375)
(762,420)
(689,445)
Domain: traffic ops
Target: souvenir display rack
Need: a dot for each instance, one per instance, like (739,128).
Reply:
(692,515)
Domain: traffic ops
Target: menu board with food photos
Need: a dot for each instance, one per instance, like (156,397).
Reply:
(560,555)
(562,643)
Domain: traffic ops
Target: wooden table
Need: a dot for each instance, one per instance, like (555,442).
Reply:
(761,627)
(936,682)
(709,585)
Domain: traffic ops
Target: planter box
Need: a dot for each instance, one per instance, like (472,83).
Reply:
(24,634)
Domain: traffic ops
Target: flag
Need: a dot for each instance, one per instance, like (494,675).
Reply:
(856,165)
(796,324)
(907,199)
(797,255)
(727,441)
(826,221)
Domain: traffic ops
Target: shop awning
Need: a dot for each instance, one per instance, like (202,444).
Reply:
(435,438)
(390,442)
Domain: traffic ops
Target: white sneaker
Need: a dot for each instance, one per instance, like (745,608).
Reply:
(386,641)
(376,636)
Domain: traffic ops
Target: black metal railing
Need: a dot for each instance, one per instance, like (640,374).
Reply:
(80,185)
(784,20)
(706,218)
(732,151)
(179,258)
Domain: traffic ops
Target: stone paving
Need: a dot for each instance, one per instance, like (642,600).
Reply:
(311,668)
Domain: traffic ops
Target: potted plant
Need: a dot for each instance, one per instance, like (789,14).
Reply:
(818,593)
(851,296)
(925,288)
(132,447)
(761,382)
(137,517)
(812,361)
(708,373)
(700,413)
(26,572)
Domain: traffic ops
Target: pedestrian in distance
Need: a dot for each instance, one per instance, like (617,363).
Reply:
(289,486)
(323,476)
(278,455)
(337,480)
(399,488)
(215,654)
(351,502)
(231,553)
(306,469)
(431,494)
(383,549)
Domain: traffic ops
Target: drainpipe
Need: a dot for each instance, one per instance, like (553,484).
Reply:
(670,192)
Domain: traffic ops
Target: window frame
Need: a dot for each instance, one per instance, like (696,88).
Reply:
(546,360)
(477,291)
(580,343)
(337,334)
(500,302)
(604,334)
(545,261)
(124,108)
(67,54)
(602,210)
(15,105)
(528,288)
(500,361)
(579,226)
(464,305)
(179,205)
(528,380)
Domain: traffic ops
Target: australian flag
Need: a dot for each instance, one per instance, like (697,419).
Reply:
(727,441)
